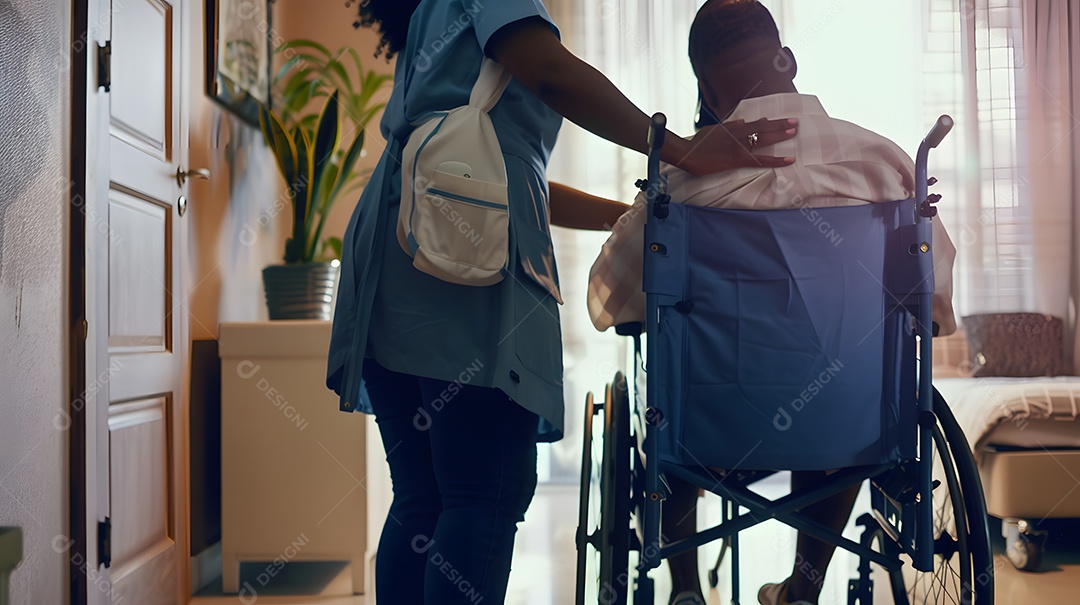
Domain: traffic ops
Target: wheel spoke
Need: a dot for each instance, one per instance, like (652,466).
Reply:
(951,579)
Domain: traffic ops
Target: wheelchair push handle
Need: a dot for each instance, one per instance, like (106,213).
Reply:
(657,131)
(942,128)
(655,186)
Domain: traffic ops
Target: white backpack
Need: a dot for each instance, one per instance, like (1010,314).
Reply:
(454,216)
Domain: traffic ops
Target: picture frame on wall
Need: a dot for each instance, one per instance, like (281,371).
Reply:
(239,55)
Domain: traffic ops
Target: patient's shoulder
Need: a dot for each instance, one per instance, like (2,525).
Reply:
(864,144)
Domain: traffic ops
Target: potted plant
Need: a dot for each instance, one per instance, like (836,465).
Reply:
(316,133)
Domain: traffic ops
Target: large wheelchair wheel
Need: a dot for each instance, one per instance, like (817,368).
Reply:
(610,533)
(963,571)
(974,499)
(585,536)
(615,496)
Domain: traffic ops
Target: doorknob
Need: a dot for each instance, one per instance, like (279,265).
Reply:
(183,175)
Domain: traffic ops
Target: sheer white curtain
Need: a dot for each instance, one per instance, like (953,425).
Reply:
(1016,75)
(642,48)
(996,237)
(1050,155)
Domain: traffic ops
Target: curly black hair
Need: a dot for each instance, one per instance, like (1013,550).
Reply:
(392,17)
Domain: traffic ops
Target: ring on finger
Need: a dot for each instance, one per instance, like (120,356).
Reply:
(752,140)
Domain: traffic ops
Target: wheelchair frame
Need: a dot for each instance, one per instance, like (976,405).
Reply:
(898,511)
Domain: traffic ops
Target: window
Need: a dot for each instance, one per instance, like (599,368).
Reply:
(972,61)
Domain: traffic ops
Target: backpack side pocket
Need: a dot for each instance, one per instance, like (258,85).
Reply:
(461,228)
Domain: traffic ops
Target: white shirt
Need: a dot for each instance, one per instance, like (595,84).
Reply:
(836,164)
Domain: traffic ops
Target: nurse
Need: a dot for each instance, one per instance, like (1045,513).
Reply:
(465,381)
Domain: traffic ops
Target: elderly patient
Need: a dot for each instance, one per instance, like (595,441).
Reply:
(744,73)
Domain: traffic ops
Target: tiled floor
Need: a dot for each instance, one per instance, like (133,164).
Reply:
(544,563)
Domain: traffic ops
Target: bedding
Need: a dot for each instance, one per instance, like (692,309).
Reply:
(1025,435)
(997,412)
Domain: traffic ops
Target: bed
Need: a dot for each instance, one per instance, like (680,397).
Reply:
(1025,433)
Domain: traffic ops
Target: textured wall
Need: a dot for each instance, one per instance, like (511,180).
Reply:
(33,184)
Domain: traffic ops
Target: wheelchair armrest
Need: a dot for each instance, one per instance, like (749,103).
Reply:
(633,328)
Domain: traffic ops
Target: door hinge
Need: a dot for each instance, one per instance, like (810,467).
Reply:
(104,66)
(104,542)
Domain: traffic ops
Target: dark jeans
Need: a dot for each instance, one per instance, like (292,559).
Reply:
(463,465)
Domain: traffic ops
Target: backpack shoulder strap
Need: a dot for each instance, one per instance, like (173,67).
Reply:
(489,86)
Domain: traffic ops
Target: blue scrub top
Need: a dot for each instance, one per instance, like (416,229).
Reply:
(505,336)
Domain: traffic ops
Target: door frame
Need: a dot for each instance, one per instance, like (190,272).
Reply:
(89,582)
(97,188)
(78,532)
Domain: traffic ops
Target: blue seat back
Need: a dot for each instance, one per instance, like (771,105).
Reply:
(783,339)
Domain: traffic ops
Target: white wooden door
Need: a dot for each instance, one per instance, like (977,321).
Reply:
(137,336)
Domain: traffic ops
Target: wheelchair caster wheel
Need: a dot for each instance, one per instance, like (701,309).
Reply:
(1023,546)
(714,578)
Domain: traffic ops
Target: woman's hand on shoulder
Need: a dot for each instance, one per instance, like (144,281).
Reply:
(534,56)
(733,145)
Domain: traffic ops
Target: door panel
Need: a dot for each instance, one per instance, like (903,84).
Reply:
(138,274)
(156,586)
(141,112)
(141,491)
(128,376)
(140,332)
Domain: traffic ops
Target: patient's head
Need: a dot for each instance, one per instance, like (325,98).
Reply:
(736,53)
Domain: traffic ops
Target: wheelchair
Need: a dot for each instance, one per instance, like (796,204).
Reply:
(776,347)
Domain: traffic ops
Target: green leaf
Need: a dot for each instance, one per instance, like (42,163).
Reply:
(304,44)
(337,69)
(309,122)
(373,83)
(305,167)
(370,114)
(288,66)
(327,139)
(301,191)
(280,143)
(348,164)
(310,63)
(336,245)
(326,186)
(294,104)
(351,51)
(297,80)
(345,174)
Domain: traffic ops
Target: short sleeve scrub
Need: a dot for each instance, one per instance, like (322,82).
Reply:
(505,336)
